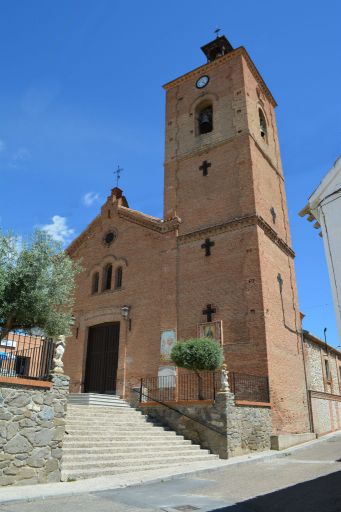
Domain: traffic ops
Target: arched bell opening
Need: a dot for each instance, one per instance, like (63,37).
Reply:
(204,118)
(262,125)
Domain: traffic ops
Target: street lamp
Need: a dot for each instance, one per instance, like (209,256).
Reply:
(125,310)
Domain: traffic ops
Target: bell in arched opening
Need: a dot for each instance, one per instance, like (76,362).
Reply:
(262,125)
(205,120)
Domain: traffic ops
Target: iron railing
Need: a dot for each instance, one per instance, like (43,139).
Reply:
(254,388)
(190,386)
(25,356)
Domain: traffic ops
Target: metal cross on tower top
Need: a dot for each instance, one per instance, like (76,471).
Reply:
(118,174)
(217,30)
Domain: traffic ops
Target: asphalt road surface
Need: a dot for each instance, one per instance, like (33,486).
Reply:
(307,480)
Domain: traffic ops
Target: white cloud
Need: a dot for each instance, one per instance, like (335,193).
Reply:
(59,229)
(90,198)
(22,154)
(20,157)
(2,145)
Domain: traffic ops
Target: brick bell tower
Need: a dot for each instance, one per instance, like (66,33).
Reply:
(224,179)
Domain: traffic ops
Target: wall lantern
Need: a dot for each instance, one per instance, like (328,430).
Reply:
(125,310)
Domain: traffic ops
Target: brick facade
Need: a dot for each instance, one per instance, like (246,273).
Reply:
(167,279)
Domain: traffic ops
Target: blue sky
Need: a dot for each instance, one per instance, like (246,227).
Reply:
(81,93)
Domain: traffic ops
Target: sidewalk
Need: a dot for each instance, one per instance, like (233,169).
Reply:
(42,491)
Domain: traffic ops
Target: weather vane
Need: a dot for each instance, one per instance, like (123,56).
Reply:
(118,174)
(217,30)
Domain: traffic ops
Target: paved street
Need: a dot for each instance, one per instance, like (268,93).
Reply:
(306,480)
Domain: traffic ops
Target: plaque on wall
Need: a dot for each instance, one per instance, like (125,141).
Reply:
(168,339)
(212,330)
(166,377)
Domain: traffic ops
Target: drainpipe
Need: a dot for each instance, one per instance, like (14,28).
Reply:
(310,412)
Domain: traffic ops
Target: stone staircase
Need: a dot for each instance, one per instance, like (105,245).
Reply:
(105,436)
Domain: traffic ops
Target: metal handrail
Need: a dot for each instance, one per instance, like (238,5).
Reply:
(203,423)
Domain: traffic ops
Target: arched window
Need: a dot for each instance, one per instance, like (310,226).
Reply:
(107,277)
(262,125)
(205,119)
(95,282)
(118,277)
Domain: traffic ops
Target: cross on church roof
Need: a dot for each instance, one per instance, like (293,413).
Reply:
(118,174)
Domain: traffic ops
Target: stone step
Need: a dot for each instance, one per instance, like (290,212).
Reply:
(97,418)
(114,428)
(141,435)
(119,449)
(91,396)
(94,399)
(96,423)
(92,393)
(143,461)
(113,456)
(75,474)
(117,428)
(95,403)
(90,412)
(131,443)
(111,424)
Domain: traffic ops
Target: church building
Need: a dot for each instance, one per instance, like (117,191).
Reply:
(218,263)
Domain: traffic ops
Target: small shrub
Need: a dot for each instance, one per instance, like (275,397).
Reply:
(198,354)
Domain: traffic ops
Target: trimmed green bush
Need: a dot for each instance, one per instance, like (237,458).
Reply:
(198,354)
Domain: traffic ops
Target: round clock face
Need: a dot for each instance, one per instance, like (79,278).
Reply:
(109,237)
(202,81)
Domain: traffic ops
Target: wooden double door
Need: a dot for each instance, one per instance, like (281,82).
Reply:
(102,358)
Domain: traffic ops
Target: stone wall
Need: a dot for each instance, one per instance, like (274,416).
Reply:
(32,428)
(326,409)
(324,393)
(224,428)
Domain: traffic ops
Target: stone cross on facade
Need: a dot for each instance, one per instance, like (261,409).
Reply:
(209,312)
(204,167)
(207,246)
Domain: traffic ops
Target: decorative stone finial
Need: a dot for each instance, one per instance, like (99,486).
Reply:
(57,362)
(224,380)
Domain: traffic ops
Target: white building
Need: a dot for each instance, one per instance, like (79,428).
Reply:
(324,207)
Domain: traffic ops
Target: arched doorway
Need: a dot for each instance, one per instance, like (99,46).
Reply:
(102,358)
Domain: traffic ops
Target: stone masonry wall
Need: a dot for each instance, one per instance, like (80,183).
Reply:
(32,428)
(234,429)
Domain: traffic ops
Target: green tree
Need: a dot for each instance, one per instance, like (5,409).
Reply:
(198,354)
(37,282)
